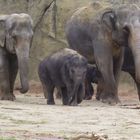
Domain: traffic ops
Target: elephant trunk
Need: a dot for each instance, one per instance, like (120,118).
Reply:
(136,54)
(23,59)
(137,66)
(73,99)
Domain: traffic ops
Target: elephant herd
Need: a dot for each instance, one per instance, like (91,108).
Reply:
(103,40)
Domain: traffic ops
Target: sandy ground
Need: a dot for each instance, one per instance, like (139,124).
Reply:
(29,118)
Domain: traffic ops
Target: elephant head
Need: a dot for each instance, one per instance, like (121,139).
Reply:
(129,19)
(15,36)
(75,69)
(114,31)
(77,72)
(124,26)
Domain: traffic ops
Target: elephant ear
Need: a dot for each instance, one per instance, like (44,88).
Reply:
(2,29)
(65,70)
(10,43)
(109,19)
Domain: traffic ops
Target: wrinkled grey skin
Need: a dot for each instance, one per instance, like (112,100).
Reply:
(15,38)
(66,71)
(101,39)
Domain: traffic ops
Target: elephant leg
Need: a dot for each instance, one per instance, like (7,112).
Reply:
(104,61)
(99,88)
(5,93)
(109,93)
(89,91)
(5,88)
(80,94)
(72,95)
(44,90)
(74,100)
(48,89)
(48,86)
(118,61)
(42,77)
(13,65)
(138,89)
(64,94)
(50,98)
(137,84)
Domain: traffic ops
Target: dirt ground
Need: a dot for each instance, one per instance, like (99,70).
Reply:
(29,118)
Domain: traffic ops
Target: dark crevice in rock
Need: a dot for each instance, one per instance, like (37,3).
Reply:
(42,15)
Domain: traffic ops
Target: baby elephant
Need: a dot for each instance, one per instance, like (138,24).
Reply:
(92,76)
(65,70)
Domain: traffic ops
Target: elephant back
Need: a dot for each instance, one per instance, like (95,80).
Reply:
(90,12)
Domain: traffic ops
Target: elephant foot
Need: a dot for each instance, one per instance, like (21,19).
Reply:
(112,100)
(87,97)
(10,97)
(50,102)
(139,96)
(65,102)
(73,104)
(79,100)
(98,96)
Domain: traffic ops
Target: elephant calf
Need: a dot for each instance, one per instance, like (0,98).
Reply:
(92,76)
(65,70)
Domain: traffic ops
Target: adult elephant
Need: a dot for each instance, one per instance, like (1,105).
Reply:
(99,33)
(93,76)
(15,38)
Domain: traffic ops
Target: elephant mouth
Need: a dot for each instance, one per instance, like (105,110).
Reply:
(118,44)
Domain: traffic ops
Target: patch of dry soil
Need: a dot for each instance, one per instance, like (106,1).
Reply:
(29,118)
